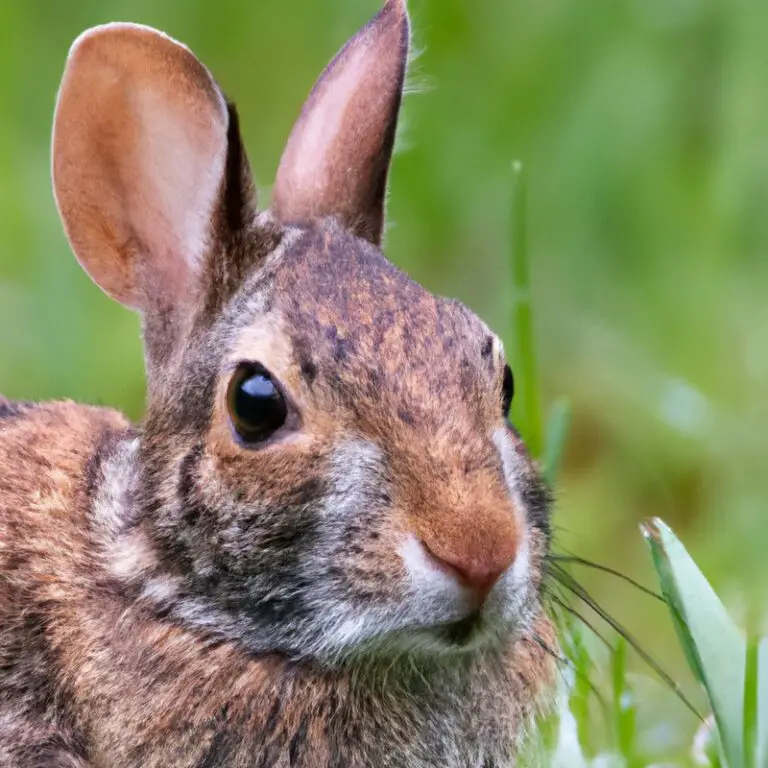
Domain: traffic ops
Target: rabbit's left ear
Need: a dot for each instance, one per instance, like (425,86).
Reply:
(337,157)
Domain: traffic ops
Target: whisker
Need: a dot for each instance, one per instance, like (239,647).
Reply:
(545,646)
(570,583)
(575,560)
(591,627)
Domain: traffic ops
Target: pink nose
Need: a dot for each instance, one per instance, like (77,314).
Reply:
(479,578)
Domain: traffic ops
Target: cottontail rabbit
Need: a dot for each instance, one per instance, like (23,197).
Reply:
(323,545)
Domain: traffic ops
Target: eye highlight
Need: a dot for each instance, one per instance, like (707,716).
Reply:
(256,405)
(507,391)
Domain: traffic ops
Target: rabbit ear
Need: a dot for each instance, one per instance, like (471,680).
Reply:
(337,157)
(143,143)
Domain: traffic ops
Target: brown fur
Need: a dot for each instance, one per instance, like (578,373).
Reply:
(171,596)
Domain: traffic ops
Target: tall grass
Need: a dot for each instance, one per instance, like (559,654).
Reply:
(732,670)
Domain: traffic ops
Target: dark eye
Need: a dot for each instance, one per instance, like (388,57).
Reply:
(508,390)
(256,404)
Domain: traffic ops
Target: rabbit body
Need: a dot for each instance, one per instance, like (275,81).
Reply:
(90,677)
(357,582)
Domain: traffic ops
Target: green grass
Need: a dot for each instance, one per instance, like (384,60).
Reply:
(732,670)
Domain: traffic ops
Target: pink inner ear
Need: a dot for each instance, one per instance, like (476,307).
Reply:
(173,183)
(332,132)
(338,154)
(139,154)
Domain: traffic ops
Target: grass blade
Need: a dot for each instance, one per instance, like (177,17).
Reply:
(751,672)
(526,408)
(761,756)
(623,703)
(557,432)
(713,644)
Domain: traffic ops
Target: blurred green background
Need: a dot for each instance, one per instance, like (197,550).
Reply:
(643,125)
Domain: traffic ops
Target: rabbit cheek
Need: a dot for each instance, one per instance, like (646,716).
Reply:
(262,503)
(355,579)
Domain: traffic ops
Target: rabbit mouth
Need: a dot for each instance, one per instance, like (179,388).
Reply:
(463,632)
(466,635)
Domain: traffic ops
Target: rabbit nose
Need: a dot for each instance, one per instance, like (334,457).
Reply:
(478,577)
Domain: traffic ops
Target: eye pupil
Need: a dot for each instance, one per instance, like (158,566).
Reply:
(508,390)
(256,405)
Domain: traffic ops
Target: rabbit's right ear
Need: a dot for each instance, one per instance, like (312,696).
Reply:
(143,147)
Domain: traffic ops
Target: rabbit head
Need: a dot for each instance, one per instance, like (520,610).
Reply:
(325,469)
